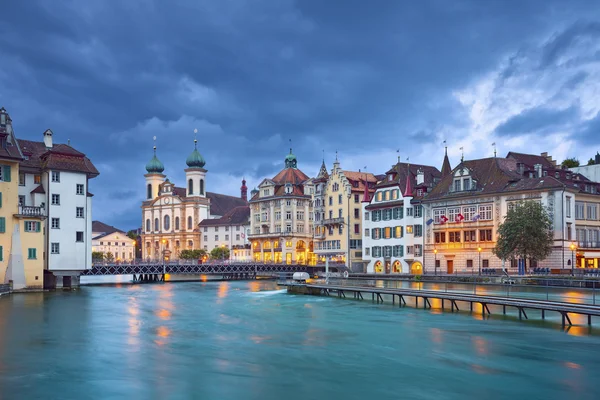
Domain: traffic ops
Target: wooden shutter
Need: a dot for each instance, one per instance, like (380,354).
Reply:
(6,173)
(2,224)
(0,199)
(1,253)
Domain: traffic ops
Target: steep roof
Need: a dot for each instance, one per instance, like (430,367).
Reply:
(60,157)
(290,175)
(431,175)
(446,168)
(237,216)
(101,227)
(221,204)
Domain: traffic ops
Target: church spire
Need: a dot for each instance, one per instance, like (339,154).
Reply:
(446,169)
(323,170)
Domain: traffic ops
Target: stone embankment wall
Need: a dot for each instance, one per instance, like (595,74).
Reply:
(4,289)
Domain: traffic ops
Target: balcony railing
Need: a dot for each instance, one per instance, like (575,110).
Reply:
(31,211)
(333,221)
(589,245)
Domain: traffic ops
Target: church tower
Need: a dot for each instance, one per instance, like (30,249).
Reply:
(244,190)
(154,177)
(195,174)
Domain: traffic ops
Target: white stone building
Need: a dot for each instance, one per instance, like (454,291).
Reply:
(393,220)
(171,215)
(55,178)
(230,231)
(109,240)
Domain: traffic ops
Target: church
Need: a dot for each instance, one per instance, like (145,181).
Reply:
(171,214)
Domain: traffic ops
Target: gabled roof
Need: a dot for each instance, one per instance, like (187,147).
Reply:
(39,190)
(101,227)
(60,157)
(237,216)
(221,204)
(399,172)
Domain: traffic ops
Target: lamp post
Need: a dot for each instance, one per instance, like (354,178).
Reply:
(164,243)
(573,247)
(435,262)
(479,250)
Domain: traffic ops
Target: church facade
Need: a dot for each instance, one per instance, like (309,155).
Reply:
(171,215)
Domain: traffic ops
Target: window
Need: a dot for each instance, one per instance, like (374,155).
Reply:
(376,251)
(387,232)
(418,230)
(440,237)
(288,215)
(592,212)
(453,214)
(55,248)
(366,215)
(300,228)
(21,179)
(568,206)
(469,213)
(216,229)
(300,215)
(485,212)
(56,199)
(226,237)
(237,236)
(79,237)
(330,200)
(398,213)
(167,223)
(190,223)
(206,238)
(340,213)
(409,211)
(367,232)
(216,237)
(376,233)
(340,199)
(79,214)
(467,184)
(418,211)
(469,263)
(31,254)
(356,213)
(457,185)
(55,176)
(32,226)
(156,224)
(485,263)
(201,186)
(148,227)
(356,198)
(387,251)
(470,236)
(190,187)
(387,214)
(79,189)
(191,244)
(55,223)
(226,229)
(149,191)
(176,223)
(398,251)
(454,237)
(485,235)
(367,251)
(376,215)
(438,215)
(398,232)
(37,179)
(21,200)
(356,228)
(579,210)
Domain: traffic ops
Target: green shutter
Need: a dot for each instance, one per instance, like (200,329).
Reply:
(37,226)
(0,199)
(6,173)
(1,253)
(2,224)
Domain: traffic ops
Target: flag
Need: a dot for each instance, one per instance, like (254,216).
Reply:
(459,218)
(443,219)
(243,235)
(430,221)
(476,217)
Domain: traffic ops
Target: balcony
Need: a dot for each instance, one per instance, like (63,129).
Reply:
(333,221)
(31,212)
(319,235)
(588,245)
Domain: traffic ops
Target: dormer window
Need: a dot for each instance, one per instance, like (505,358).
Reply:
(568,176)
(557,175)
(461,185)
(266,192)
(390,177)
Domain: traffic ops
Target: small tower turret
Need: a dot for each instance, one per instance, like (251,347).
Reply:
(244,190)
(195,174)
(154,176)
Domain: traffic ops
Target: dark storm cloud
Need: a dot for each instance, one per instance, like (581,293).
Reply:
(536,120)
(350,76)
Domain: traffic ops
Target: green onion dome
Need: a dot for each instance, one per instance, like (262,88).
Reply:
(154,166)
(195,160)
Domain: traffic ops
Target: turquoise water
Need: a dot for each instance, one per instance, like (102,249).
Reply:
(249,340)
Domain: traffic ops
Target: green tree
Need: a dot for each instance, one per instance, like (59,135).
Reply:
(570,162)
(591,161)
(97,256)
(526,233)
(192,254)
(109,256)
(132,235)
(219,253)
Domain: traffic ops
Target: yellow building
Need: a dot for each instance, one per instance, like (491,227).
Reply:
(587,224)
(338,230)
(21,230)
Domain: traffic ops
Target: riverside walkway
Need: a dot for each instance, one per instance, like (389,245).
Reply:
(378,293)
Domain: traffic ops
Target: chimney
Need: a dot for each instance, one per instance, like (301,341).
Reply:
(538,170)
(244,190)
(597,158)
(48,138)
(420,176)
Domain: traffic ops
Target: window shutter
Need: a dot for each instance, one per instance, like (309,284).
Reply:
(2,224)
(1,253)
(37,226)
(6,173)
(0,199)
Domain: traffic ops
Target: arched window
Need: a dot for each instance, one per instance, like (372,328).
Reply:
(149,191)
(191,244)
(148,225)
(190,187)
(156,224)
(190,223)
(167,223)
(176,223)
(201,186)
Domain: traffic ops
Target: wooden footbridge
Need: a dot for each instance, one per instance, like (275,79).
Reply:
(399,295)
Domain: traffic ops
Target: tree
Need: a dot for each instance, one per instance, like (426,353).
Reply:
(570,162)
(132,235)
(109,256)
(591,162)
(526,233)
(97,256)
(219,253)
(192,254)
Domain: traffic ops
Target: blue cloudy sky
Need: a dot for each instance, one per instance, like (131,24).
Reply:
(363,78)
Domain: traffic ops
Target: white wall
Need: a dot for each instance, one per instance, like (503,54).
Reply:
(592,172)
(113,243)
(228,238)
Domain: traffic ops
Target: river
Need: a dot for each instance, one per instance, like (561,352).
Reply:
(250,340)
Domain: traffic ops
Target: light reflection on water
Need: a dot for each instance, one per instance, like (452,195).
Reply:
(234,340)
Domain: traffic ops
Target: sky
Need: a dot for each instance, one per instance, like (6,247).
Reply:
(370,80)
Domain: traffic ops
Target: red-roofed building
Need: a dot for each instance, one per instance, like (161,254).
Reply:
(280,211)
(171,215)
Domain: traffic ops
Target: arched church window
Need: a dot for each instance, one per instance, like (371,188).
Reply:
(176,223)
(156,224)
(190,187)
(190,223)
(167,223)
(201,186)
(191,244)
(149,191)
(148,225)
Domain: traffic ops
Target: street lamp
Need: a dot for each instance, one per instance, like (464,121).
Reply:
(435,263)
(573,247)
(479,250)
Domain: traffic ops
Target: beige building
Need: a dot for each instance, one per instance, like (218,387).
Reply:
(281,225)
(111,241)
(338,229)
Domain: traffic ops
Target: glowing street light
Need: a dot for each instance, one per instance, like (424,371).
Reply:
(435,263)
(573,247)
(479,250)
